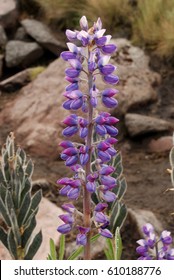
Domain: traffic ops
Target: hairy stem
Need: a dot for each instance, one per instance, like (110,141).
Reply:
(86,195)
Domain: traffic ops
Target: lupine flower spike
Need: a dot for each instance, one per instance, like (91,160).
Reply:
(88,55)
(154,247)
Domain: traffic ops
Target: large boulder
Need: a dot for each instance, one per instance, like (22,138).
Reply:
(8,13)
(139,124)
(43,35)
(137,81)
(36,114)
(20,53)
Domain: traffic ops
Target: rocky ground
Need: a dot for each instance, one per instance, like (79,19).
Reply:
(146,113)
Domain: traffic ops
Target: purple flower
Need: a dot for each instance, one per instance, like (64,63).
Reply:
(166,237)
(109,49)
(72,73)
(108,196)
(108,181)
(107,69)
(111,79)
(67,218)
(106,170)
(88,55)
(170,254)
(147,229)
(143,248)
(71,187)
(66,144)
(71,35)
(65,228)
(84,23)
(68,207)
(68,55)
(100,207)
(101,218)
(84,154)
(81,237)
(106,233)
(91,187)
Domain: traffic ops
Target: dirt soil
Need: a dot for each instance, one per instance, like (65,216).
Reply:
(145,172)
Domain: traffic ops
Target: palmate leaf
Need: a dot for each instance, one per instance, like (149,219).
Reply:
(33,248)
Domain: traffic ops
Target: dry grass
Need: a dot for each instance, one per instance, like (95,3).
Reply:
(153,25)
(150,21)
(111,12)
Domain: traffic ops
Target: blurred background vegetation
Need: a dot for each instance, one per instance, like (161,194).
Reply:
(148,23)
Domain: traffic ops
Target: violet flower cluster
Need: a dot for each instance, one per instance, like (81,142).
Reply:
(88,57)
(154,247)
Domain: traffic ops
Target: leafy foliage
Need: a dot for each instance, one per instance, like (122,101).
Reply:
(18,207)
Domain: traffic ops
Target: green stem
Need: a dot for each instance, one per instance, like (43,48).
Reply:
(86,194)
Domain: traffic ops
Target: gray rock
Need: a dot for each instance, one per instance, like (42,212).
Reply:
(162,144)
(140,217)
(22,35)
(42,34)
(20,53)
(3,37)
(16,81)
(1,65)
(8,13)
(137,81)
(139,124)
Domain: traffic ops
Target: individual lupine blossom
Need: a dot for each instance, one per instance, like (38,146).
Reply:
(154,247)
(88,55)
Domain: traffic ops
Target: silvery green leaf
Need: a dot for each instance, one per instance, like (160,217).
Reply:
(122,188)
(22,155)
(12,246)
(61,248)
(3,191)
(171,156)
(4,213)
(3,237)
(118,245)
(26,187)
(24,209)
(35,245)
(29,168)
(110,250)
(15,227)
(9,202)
(28,232)
(114,215)
(118,222)
(36,199)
